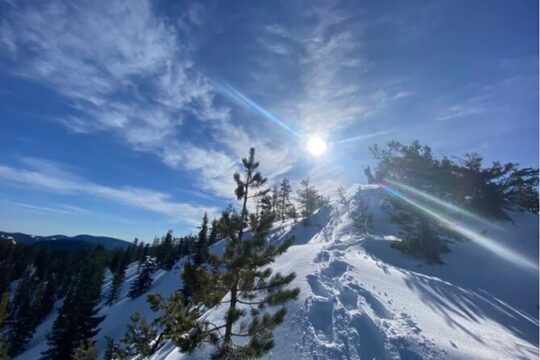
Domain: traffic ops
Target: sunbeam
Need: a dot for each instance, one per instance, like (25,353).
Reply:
(243,100)
(444,204)
(361,137)
(489,244)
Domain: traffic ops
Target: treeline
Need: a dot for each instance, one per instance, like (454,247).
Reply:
(41,278)
(465,182)
(282,204)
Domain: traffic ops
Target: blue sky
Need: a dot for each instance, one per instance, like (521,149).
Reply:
(128,118)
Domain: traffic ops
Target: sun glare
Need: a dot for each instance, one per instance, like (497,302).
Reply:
(316,146)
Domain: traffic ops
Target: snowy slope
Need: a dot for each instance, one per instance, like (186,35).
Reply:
(360,299)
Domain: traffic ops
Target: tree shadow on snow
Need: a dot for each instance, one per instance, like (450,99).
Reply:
(459,298)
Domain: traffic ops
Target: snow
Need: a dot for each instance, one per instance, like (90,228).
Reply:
(361,299)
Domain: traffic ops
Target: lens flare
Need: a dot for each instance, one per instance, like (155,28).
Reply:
(489,244)
(444,204)
(361,137)
(243,100)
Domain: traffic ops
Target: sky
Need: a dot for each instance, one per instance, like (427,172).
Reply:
(129,118)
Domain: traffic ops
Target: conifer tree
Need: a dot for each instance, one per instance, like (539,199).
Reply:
(45,298)
(111,349)
(144,280)
(200,248)
(292,213)
(285,191)
(244,273)
(77,319)
(369,175)
(362,219)
(166,256)
(214,233)
(309,198)
(22,323)
(3,317)
(341,195)
(275,201)
(139,337)
(86,351)
(119,275)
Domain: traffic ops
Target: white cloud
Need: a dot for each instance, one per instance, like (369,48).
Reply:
(334,90)
(129,72)
(60,181)
(41,208)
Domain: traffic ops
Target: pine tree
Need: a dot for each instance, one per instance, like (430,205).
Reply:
(275,201)
(45,298)
(85,351)
(341,195)
(22,322)
(369,175)
(119,274)
(139,337)
(166,256)
(77,319)
(110,349)
(292,213)
(4,300)
(285,191)
(415,166)
(244,273)
(144,280)
(214,233)
(200,251)
(309,198)
(362,219)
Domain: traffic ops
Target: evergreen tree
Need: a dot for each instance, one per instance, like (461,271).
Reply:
(285,191)
(415,166)
(77,319)
(369,175)
(166,256)
(119,274)
(243,272)
(139,337)
(111,349)
(3,317)
(214,233)
(275,201)
(489,192)
(22,322)
(292,213)
(200,251)
(45,298)
(144,280)
(85,351)
(266,205)
(362,219)
(309,198)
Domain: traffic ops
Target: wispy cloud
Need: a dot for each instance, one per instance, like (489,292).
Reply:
(129,72)
(475,105)
(41,208)
(334,91)
(136,197)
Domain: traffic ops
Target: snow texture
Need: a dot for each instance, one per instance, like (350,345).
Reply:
(361,299)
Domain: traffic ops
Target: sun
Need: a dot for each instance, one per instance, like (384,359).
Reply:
(316,146)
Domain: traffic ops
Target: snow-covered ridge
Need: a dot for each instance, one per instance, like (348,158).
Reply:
(360,299)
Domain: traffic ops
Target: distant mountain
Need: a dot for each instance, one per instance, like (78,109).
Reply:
(63,242)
